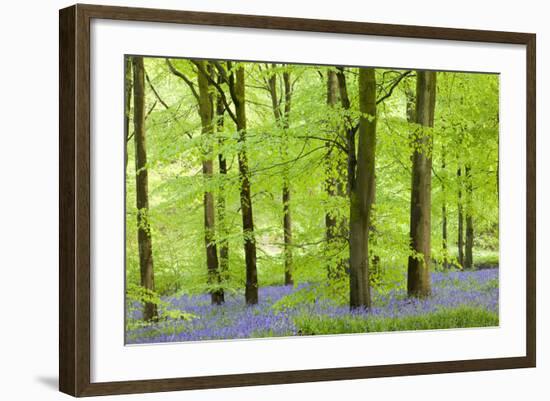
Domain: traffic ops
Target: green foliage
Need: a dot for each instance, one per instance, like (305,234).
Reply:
(332,292)
(137,296)
(463,317)
(308,153)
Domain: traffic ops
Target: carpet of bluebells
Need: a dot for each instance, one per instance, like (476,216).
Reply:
(451,291)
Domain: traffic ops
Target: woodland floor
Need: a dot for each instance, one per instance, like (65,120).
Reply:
(460,299)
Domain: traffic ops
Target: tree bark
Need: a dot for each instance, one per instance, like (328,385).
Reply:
(362,192)
(460,240)
(127,107)
(222,168)
(335,184)
(469,245)
(287,230)
(349,129)
(282,120)
(331,180)
(410,105)
(444,234)
(418,278)
(287,218)
(142,195)
(206,112)
(251,287)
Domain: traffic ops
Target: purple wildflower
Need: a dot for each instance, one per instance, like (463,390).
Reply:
(234,320)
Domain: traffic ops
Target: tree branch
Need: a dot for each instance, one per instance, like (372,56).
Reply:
(218,88)
(333,141)
(228,79)
(155,92)
(393,86)
(185,79)
(129,137)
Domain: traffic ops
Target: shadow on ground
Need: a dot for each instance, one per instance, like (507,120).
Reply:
(48,381)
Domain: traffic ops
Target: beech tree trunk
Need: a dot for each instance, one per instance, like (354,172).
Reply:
(251,287)
(287,218)
(222,167)
(282,119)
(418,278)
(287,231)
(469,245)
(206,112)
(331,179)
(335,184)
(142,192)
(444,235)
(410,105)
(349,129)
(460,240)
(127,108)
(362,192)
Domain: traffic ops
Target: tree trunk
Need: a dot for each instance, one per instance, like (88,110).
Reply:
(142,195)
(468,254)
(127,108)
(287,218)
(469,245)
(418,279)
(287,229)
(375,268)
(222,166)
(460,241)
(282,120)
(362,192)
(335,184)
(349,128)
(331,179)
(410,105)
(207,121)
(444,235)
(251,288)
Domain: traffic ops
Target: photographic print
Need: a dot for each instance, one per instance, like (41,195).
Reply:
(271,199)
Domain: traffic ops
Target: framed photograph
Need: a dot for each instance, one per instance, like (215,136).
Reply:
(250,200)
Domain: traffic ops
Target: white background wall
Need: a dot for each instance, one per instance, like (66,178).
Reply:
(28,198)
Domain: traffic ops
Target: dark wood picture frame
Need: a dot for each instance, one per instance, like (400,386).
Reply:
(74,200)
